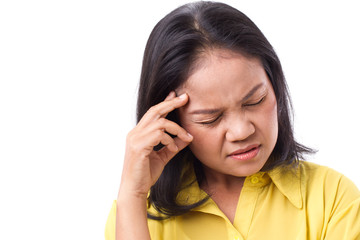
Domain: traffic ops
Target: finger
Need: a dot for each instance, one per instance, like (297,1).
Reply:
(177,103)
(171,95)
(166,154)
(169,142)
(163,108)
(173,129)
(182,144)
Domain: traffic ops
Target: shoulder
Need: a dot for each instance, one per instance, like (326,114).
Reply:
(314,173)
(324,182)
(332,200)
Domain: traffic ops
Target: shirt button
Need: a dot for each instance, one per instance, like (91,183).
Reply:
(254,180)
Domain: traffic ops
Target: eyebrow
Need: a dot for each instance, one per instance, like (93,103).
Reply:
(251,92)
(216,110)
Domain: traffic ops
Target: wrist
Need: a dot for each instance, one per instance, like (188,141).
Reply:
(128,195)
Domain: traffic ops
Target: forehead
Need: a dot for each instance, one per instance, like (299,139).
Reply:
(220,72)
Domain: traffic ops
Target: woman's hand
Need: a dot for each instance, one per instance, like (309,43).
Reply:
(143,165)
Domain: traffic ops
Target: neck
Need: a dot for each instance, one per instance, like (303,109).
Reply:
(219,182)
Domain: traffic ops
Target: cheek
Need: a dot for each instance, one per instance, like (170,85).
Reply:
(203,136)
(270,120)
(205,141)
(200,136)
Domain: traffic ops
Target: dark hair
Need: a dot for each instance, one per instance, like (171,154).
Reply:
(171,50)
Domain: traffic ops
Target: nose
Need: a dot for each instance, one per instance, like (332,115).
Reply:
(240,127)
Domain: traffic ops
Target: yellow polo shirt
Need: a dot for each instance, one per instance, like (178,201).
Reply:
(310,202)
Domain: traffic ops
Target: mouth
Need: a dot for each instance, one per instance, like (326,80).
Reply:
(246,153)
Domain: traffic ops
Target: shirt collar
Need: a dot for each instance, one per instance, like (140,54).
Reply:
(286,179)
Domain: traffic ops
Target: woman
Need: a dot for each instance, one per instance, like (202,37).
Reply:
(213,155)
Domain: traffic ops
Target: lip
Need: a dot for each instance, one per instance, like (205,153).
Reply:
(245,153)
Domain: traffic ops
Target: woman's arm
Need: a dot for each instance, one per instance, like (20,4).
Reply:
(344,220)
(143,165)
(131,218)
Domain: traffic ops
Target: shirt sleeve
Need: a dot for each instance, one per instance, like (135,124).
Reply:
(344,223)
(110,223)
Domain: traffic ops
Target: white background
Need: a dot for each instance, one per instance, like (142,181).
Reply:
(69,72)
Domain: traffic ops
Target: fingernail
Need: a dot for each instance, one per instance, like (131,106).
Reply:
(174,148)
(190,135)
(182,96)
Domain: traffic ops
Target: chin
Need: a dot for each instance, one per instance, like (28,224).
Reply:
(245,171)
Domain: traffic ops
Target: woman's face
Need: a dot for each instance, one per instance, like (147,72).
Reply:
(231,113)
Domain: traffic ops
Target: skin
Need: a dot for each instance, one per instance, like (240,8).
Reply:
(243,112)
(143,166)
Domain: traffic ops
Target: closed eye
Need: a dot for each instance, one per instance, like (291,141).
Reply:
(254,104)
(212,121)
